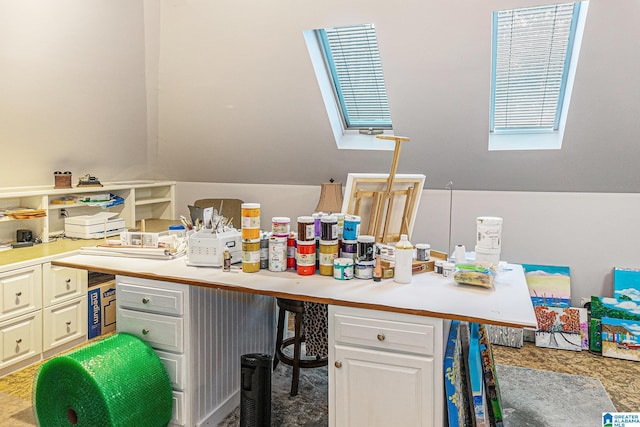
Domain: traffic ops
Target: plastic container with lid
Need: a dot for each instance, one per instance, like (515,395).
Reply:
(404,260)
(178,230)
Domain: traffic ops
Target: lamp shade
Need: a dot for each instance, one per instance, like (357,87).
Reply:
(330,197)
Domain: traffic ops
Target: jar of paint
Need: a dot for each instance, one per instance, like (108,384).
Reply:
(328,254)
(343,269)
(250,220)
(291,251)
(423,251)
(349,249)
(306,257)
(277,253)
(280,226)
(329,228)
(264,250)
(351,227)
(306,228)
(366,248)
(364,269)
(251,255)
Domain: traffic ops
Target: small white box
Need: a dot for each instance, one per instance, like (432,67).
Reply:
(206,249)
(93,226)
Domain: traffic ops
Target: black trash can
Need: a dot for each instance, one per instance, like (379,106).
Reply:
(255,388)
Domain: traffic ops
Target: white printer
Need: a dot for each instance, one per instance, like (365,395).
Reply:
(94,226)
(206,249)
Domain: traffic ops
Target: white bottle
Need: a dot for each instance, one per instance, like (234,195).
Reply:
(404,260)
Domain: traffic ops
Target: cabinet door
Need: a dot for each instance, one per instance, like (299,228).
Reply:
(379,388)
(62,284)
(160,332)
(20,291)
(64,322)
(20,338)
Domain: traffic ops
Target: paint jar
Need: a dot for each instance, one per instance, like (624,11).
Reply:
(264,250)
(343,268)
(328,254)
(340,218)
(251,255)
(366,248)
(306,228)
(423,251)
(351,228)
(178,231)
(291,251)
(317,223)
(447,269)
(489,232)
(250,220)
(280,226)
(438,265)
(487,257)
(329,228)
(349,249)
(277,253)
(364,269)
(306,257)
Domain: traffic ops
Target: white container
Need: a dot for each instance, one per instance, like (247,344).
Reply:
(459,254)
(489,232)
(447,269)
(404,260)
(487,257)
(423,251)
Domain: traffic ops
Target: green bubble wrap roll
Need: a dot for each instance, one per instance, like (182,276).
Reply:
(117,381)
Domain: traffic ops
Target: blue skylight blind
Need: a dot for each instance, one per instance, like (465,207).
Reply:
(531,56)
(354,62)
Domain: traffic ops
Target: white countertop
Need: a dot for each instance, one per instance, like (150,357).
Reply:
(429,294)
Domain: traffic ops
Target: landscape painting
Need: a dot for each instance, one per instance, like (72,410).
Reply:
(548,285)
(620,325)
(626,284)
(560,327)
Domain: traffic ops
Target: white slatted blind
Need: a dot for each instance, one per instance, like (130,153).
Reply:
(353,58)
(532,50)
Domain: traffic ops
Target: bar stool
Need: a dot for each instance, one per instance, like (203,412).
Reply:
(297,308)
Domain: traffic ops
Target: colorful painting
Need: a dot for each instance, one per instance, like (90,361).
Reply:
(626,284)
(548,285)
(560,327)
(620,325)
(491,385)
(506,336)
(455,380)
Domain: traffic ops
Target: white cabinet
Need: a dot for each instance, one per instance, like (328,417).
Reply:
(384,369)
(64,314)
(20,291)
(141,200)
(20,340)
(188,327)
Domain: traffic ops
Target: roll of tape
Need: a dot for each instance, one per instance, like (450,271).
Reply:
(117,381)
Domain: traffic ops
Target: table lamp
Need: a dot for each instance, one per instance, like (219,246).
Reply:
(330,197)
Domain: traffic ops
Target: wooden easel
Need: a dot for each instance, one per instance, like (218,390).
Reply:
(382,204)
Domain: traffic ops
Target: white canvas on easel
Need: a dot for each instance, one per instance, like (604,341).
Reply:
(402,208)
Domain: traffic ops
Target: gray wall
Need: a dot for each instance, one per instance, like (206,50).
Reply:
(238,99)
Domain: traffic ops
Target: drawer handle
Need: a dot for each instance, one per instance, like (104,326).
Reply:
(68,322)
(145,300)
(145,331)
(338,364)
(381,337)
(19,293)
(19,340)
(68,282)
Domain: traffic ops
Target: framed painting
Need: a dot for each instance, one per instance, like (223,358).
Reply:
(387,206)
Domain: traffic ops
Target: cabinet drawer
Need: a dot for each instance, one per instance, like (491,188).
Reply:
(20,338)
(178,415)
(384,334)
(64,322)
(150,299)
(160,332)
(20,291)
(62,284)
(175,367)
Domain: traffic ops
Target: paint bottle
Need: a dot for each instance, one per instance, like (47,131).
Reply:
(226,266)
(328,254)
(251,255)
(264,250)
(343,269)
(277,253)
(291,251)
(250,220)
(306,258)
(351,227)
(349,249)
(329,228)
(404,260)
(423,251)
(280,226)
(366,248)
(317,216)
(306,228)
